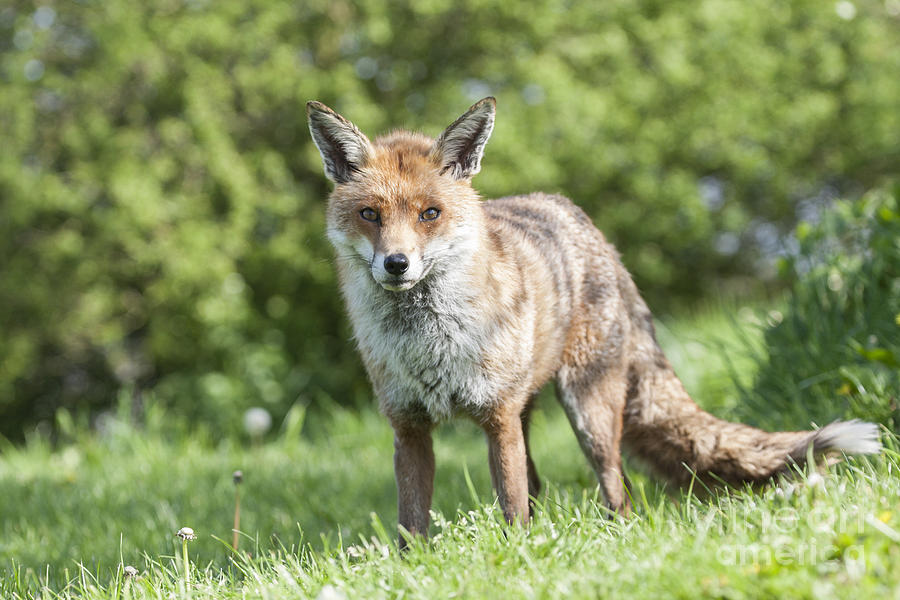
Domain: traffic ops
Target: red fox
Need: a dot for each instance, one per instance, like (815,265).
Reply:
(464,307)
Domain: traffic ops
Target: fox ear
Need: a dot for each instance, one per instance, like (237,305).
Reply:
(344,148)
(458,150)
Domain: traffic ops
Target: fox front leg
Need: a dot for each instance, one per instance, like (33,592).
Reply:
(509,465)
(414,471)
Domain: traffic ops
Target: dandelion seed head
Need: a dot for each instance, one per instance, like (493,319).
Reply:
(186,533)
(329,592)
(787,491)
(815,480)
(257,421)
(845,10)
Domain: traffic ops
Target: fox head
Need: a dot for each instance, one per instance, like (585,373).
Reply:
(403,205)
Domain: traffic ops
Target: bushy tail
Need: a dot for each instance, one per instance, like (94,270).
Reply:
(848,437)
(665,428)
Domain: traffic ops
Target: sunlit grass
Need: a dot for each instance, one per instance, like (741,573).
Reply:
(318,512)
(836,536)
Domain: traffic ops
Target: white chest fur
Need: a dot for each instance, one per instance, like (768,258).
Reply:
(424,347)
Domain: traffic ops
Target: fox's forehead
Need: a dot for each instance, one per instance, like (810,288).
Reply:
(402,154)
(400,169)
(404,142)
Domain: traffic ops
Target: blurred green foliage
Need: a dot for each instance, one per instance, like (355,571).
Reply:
(835,352)
(161,204)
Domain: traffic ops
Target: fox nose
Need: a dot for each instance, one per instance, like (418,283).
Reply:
(395,264)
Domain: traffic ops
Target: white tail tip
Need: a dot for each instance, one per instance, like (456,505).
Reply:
(850,437)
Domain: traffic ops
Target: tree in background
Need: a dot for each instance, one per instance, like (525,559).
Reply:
(161,204)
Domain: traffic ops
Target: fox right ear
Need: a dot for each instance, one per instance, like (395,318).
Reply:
(344,148)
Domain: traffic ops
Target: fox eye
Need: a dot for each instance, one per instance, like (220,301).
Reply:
(368,214)
(430,214)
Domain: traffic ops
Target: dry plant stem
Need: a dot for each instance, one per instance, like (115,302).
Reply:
(187,567)
(237,518)
(186,534)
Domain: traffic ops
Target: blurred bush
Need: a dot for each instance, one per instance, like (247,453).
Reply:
(835,351)
(161,205)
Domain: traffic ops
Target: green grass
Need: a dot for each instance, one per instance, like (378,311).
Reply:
(715,350)
(318,509)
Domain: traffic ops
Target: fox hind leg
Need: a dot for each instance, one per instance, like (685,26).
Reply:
(594,404)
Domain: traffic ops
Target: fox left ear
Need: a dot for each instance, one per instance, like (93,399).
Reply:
(459,149)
